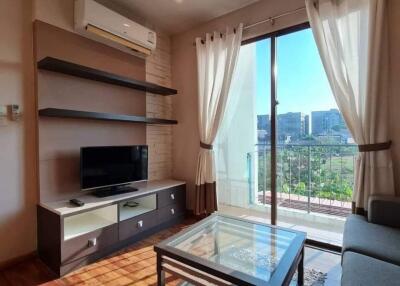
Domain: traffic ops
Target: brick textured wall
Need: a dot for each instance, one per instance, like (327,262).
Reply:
(159,137)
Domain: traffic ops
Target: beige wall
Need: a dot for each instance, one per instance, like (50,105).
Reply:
(159,138)
(394,51)
(184,76)
(17,155)
(18,185)
(185,135)
(60,13)
(17,140)
(158,70)
(59,139)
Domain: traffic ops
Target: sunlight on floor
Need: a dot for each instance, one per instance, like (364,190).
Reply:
(319,227)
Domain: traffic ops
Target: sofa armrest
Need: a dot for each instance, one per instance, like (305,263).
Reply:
(384,210)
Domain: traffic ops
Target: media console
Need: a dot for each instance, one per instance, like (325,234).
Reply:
(70,237)
(102,193)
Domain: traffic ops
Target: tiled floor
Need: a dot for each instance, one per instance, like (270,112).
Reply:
(136,266)
(326,262)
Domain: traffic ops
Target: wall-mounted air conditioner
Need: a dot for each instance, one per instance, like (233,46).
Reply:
(99,23)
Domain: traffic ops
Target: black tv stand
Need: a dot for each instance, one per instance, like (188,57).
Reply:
(107,192)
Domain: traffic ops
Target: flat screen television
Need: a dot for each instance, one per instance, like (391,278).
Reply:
(109,167)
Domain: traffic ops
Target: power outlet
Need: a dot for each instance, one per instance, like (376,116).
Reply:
(3,115)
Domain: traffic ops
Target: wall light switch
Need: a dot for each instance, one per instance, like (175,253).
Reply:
(15,112)
(3,115)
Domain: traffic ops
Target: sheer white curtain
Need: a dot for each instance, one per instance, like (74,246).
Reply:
(235,143)
(216,61)
(351,36)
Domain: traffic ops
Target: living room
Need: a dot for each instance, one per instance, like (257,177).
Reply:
(179,142)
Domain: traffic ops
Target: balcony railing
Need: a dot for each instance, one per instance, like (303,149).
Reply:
(312,178)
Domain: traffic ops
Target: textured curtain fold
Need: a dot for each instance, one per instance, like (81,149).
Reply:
(351,36)
(216,62)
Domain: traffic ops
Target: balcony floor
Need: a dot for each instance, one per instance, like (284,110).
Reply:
(316,205)
(320,227)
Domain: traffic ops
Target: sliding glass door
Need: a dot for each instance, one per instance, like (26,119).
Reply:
(290,163)
(315,157)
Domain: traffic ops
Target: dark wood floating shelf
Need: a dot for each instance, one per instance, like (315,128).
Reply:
(57,65)
(67,113)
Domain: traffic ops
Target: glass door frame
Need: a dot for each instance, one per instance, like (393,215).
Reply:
(273,105)
(273,111)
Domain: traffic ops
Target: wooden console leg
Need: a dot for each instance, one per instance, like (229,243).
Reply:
(160,271)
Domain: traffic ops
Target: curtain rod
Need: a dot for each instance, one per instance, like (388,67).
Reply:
(270,19)
(273,18)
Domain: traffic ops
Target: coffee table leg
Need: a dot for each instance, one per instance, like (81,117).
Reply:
(160,271)
(300,270)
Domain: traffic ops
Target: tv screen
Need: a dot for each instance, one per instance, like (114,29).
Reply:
(112,165)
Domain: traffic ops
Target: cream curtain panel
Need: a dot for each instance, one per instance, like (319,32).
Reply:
(351,36)
(216,61)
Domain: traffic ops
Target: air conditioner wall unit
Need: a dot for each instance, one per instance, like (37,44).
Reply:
(101,24)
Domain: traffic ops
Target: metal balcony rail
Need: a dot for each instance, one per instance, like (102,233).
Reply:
(313,178)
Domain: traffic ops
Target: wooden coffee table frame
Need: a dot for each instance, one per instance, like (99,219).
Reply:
(292,260)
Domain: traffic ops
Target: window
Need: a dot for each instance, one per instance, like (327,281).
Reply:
(298,173)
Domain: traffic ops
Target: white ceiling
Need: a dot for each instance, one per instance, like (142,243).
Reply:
(175,16)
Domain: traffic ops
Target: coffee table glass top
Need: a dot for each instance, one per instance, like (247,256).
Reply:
(250,248)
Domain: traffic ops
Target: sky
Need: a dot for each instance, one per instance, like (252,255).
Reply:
(302,85)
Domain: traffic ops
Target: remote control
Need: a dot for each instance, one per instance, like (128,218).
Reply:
(77,202)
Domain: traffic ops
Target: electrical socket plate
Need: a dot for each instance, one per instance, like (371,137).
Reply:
(3,115)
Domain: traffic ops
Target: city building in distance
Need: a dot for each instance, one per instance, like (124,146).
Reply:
(327,127)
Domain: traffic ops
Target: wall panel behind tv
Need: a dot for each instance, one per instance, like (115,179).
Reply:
(60,139)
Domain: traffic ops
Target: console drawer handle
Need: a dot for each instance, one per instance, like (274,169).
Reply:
(140,224)
(172,211)
(92,242)
(172,197)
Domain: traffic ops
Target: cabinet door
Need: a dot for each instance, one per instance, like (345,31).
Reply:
(175,195)
(88,243)
(170,212)
(135,225)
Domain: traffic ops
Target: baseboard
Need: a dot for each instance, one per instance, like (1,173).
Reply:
(16,260)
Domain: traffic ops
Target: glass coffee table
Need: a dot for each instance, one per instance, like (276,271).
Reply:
(224,250)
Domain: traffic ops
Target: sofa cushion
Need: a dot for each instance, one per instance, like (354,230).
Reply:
(361,270)
(378,241)
(384,210)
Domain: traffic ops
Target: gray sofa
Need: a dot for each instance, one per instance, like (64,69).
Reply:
(371,246)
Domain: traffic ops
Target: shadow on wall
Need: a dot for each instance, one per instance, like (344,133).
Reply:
(62,173)
(56,12)
(19,188)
